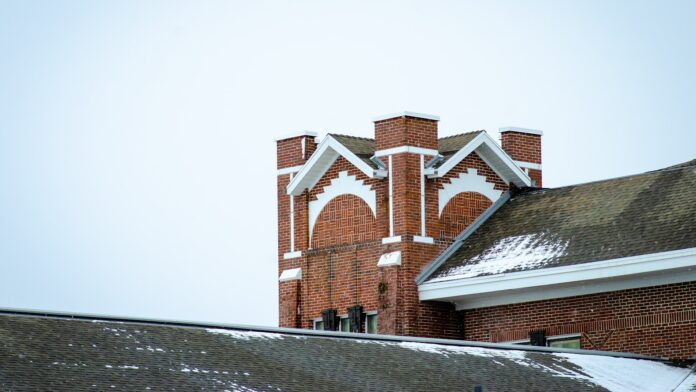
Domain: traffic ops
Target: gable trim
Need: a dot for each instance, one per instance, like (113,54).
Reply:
(326,154)
(492,154)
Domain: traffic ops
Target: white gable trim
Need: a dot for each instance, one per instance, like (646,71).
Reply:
(557,282)
(491,153)
(344,184)
(470,181)
(326,154)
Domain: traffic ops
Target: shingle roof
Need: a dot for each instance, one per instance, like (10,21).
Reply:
(449,145)
(60,353)
(363,147)
(629,216)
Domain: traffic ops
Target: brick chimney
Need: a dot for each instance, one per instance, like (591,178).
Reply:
(524,146)
(393,133)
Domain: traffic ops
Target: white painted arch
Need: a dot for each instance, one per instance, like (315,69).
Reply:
(344,184)
(470,181)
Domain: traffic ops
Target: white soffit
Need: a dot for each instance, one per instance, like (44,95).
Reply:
(557,282)
(492,154)
(326,154)
(290,274)
(389,259)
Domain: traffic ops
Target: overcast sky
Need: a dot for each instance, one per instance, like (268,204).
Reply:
(137,156)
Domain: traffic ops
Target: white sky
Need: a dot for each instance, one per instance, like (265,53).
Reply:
(137,162)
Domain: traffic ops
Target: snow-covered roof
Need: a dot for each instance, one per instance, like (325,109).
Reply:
(68,352)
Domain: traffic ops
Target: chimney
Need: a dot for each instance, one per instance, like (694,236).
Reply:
(403,141)
(524,147)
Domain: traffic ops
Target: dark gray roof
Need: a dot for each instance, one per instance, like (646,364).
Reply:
(56,352)
(363,147)
(448,146)
(629,216)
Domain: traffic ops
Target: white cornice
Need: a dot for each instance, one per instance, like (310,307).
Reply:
(521,130)
(289,170)
(296,134)
(406,114)
(405,149)
(580,279)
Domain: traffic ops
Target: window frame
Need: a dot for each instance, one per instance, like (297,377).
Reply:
(371,313)
(315,322)
(549,339)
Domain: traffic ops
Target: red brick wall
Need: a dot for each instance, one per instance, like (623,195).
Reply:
(346,219)
(405,131)
(460,212)
(524,147)
(659,321)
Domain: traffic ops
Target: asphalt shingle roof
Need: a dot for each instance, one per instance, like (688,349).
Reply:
(363,147)
(449,145)
(629,216)
(68,354)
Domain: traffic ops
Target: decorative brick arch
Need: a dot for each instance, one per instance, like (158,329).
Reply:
(460,212)
(344,184)
(346,219)
(470,181)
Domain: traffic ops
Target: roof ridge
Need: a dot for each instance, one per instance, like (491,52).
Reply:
(315,333)
(462,134)
(351,136)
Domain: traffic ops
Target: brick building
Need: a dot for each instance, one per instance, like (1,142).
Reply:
(454,237)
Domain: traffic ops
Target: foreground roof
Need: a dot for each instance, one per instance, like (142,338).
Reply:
(54,352)
(630,216)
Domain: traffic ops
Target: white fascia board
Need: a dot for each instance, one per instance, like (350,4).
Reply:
(306,178)
(535,283)
(405,149)
(521,130)
(292,255)
(459,155)
(391,240)
(289,170)
(296,134)
(528,165)
(406,114)
(290,274)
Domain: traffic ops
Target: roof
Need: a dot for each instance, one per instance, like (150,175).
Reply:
(363,147)
(622,217)
(449,145)
(64,352)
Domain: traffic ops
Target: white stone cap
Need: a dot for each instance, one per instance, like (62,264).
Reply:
(406,114)
(291,274)
(521,130)
(296,134)
(389,259)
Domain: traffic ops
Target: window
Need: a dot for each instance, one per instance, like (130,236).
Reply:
(345,323)
(371,322)
(319,324)
(564,341)
(558,341)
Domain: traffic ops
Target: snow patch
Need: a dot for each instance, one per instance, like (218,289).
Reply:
(245,335)
(521,252)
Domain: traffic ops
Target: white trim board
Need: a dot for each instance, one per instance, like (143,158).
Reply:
(521,130)
(289,170)
(405,149)
(406,114)
(491,153)
(558,282)
(528,165)
(290,274)
(326,154)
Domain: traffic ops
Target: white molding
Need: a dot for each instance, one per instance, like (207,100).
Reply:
(558,282)
(470,181)
(491,153)
(292,255)
(326,154)
(528,165)
(423,239)
(405,149)
(389,259)
(289,170)
(422,195)
(406,114)
(292,220)
(391,240)
(290,274)
(521,130)
(391,198)
(344,184)
(296,134)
